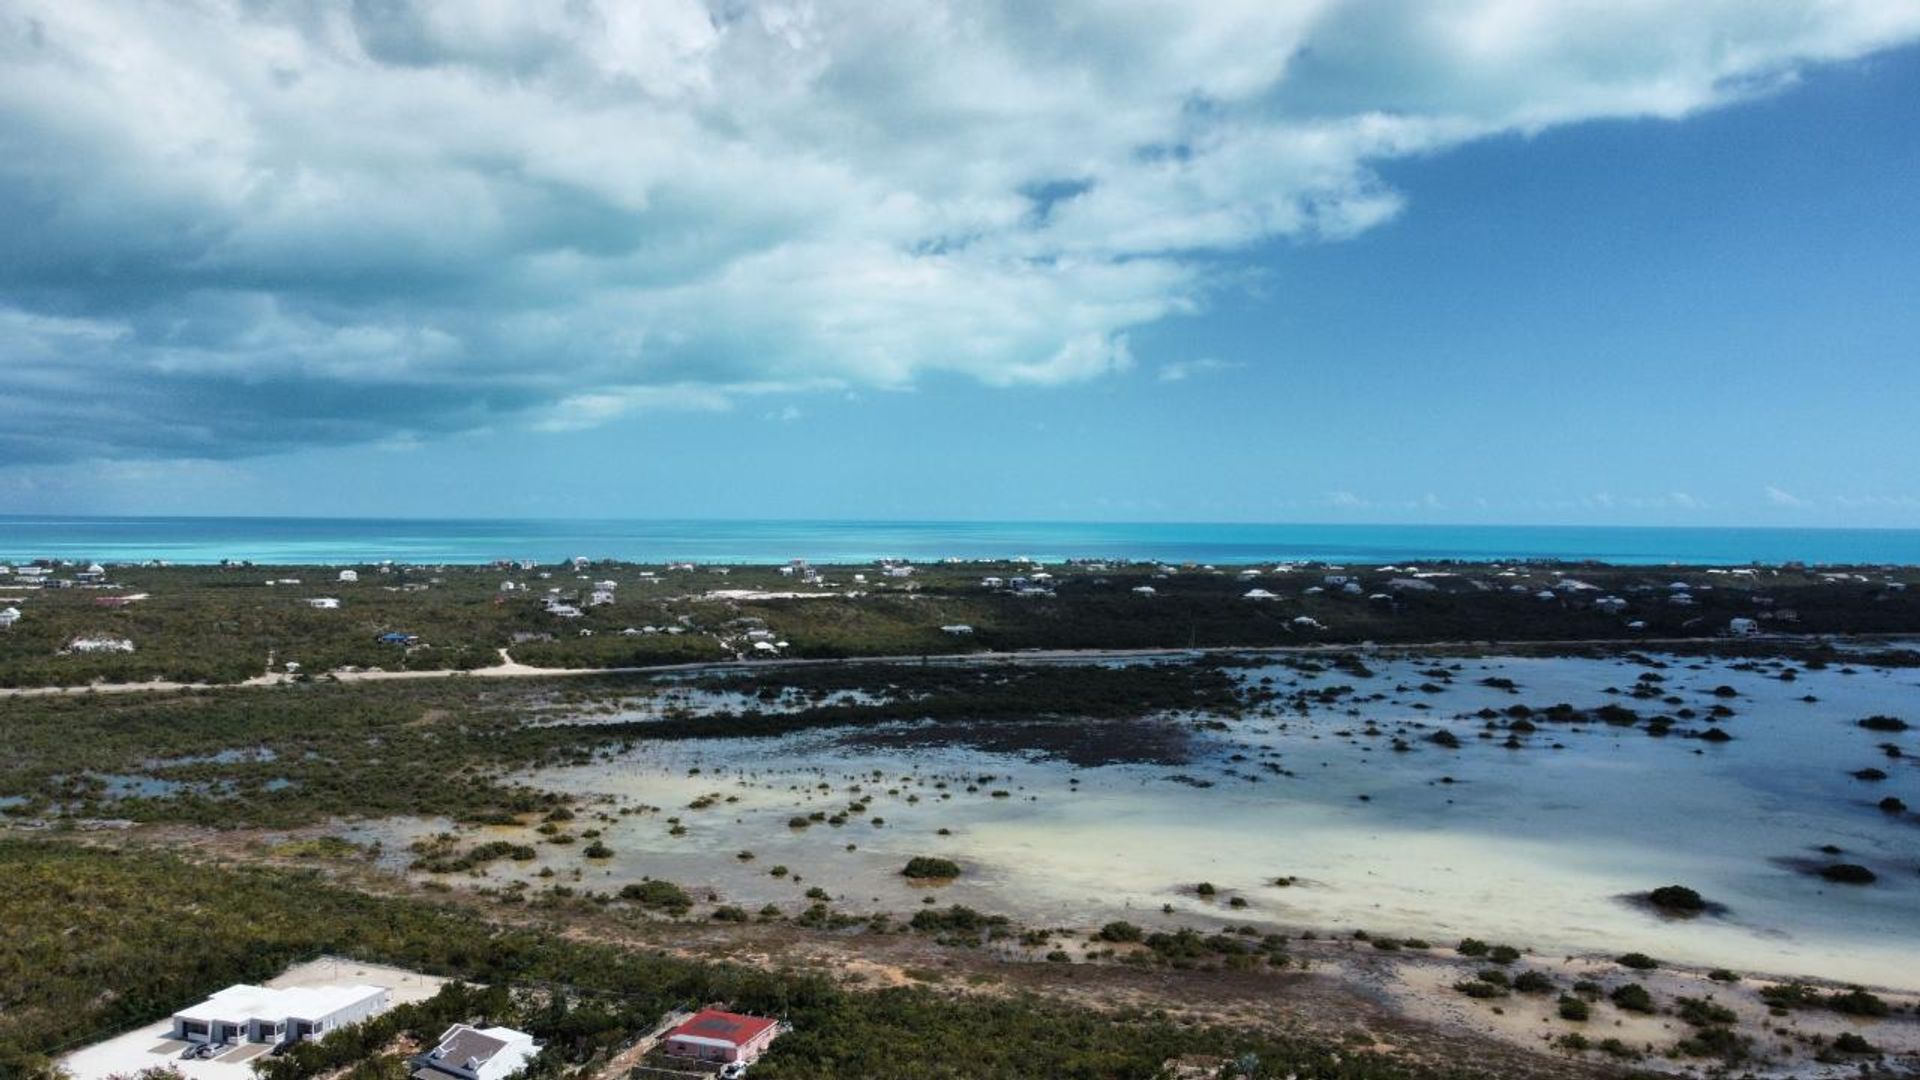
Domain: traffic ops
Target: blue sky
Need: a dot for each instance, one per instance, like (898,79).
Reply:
(1351,264)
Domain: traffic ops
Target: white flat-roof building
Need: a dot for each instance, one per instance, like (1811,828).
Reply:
(466,1052)
(260,1014)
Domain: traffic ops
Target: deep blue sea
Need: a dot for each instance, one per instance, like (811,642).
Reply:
(357,540)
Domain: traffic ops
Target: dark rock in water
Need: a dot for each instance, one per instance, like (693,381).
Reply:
(1892,805)
(1832,849)
(1725,691)
(1445,738)
(1883,723)
(1869,774)
(1714,734)
(1677,898)
(1849,874)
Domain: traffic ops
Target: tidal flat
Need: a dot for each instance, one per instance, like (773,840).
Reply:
(1531,800)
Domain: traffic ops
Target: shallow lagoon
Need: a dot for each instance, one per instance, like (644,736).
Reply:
(1537,846)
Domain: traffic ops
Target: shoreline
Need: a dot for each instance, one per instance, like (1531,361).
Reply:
(509,668)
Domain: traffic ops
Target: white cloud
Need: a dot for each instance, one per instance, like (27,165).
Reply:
(1182,370)
(1778,497)
(236,226)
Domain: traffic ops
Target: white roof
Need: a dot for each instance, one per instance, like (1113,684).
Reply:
(246,1002)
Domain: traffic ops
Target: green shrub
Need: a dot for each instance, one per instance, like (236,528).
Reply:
(1632,997)
(927,868)
(657,894)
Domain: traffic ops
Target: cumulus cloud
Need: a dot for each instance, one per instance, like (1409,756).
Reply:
(237,226)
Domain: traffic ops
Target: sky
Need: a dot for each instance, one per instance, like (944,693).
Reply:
(1469,261)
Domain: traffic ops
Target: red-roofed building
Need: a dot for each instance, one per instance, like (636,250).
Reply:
(712,1035)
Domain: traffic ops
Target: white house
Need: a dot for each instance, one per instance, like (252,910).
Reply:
(349,575)
(1143,590)
(1259,594)
(98,645)
(600,598)
(466,1052)
(1743,627)
(324,603)
(1610,605)
(985,582)
(957,629)
(9,616)
(1307,622)
(259,1014)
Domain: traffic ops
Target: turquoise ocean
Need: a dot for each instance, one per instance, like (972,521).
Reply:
(363,540)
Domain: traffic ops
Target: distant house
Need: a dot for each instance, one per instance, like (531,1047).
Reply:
(1406,584)
(1352,588)
(563,611)
(765,647)
(349,575)
(712,1035)
(1259,594)
(985,582)
(1307,622)
(1743,627)
(1546,594)
(600,598)
(466,1052)
(9,616)
(1143,590)
(1610,605)
(259,1014)
(99,645)
(324,603)
(395,637)
(957,629)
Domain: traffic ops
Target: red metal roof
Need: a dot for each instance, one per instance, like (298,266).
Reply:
(725,1026)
